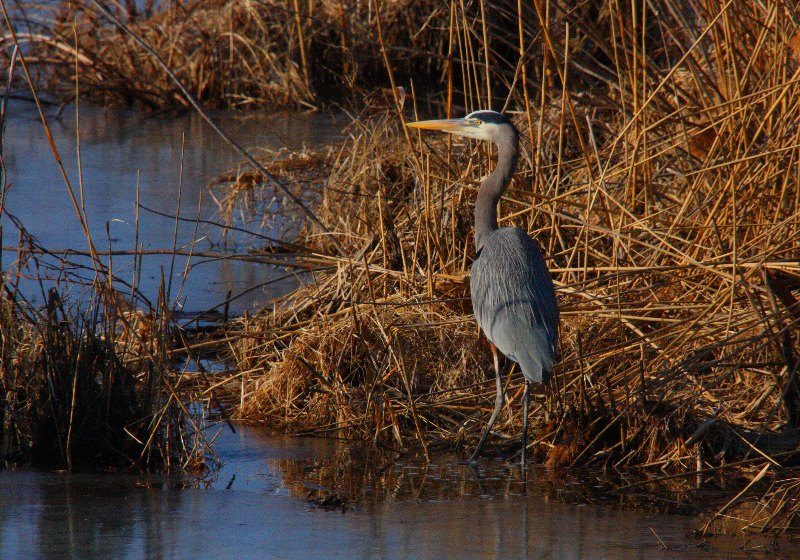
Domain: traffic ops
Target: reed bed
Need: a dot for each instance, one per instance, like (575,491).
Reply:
(229,53)
(91,385)
(666,198)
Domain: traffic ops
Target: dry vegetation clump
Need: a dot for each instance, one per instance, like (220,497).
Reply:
(668,201)
(90,387)
(353,375)
(228,53)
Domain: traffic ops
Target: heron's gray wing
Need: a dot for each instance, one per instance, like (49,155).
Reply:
(514,301)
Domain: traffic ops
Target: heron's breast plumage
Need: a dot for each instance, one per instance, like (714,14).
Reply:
(514,300)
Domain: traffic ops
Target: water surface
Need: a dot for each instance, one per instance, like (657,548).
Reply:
(119,147)
(262,506)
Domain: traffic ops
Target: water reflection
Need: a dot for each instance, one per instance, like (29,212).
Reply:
(119,147)
(440,513)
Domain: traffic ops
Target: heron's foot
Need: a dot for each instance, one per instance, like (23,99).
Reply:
(473,459)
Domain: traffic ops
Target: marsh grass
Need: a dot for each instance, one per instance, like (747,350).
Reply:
(228,53)
(90,384)
(666,199)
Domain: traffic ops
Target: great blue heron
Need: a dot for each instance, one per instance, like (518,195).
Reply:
(512,293)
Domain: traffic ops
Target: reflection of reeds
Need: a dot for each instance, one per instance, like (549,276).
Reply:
(357,475)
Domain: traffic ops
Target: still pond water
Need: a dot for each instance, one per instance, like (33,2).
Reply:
(275,497)
(119,147)
(266,503)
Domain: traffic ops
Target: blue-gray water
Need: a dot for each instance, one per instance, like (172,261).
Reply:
(116,145)
(264,514)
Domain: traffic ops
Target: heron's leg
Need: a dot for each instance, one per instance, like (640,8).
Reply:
(498,404)
(525,398)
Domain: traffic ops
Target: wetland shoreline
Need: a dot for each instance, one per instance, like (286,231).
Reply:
(659,182)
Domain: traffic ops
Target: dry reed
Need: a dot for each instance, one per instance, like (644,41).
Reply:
(90,384)
(229,53)
(666,197)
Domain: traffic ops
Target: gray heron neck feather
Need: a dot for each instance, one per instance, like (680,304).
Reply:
(495,184)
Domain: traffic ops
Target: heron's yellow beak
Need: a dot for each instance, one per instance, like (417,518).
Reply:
(445,125)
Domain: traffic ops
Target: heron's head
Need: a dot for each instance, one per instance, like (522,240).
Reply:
(480,125)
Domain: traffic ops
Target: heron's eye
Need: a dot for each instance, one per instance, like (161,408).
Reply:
(477,122)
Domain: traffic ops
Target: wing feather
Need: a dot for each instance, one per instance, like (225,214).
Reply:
(515,302)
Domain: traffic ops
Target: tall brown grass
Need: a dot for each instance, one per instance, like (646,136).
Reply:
(91,385)
(660,177)
(229,53)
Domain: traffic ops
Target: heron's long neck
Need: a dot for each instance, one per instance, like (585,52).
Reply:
(493,187)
